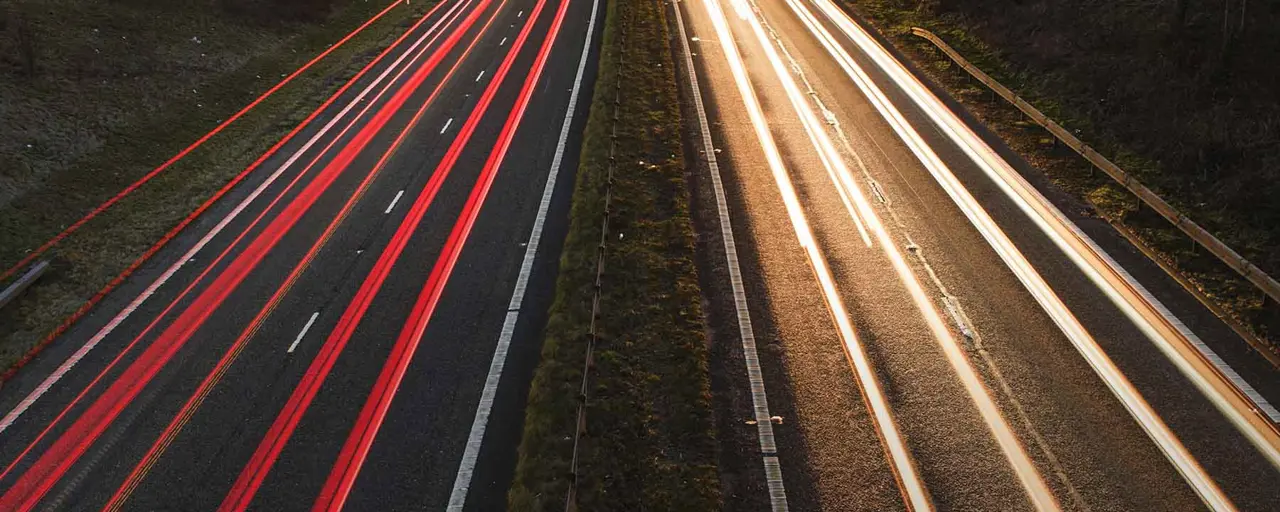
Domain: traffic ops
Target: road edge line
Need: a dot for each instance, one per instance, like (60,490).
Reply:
(475,438)
(759,399)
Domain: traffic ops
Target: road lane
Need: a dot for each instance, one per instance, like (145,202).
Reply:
(1206,432)
(66,449)
(221,432)
(1056,413)
(108,406)
(53,375)
(252,328)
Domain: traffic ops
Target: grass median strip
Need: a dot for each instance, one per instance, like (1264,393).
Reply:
(134,141)
(649,442)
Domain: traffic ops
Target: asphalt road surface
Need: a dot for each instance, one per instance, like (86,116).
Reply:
(984,342)
(350,326)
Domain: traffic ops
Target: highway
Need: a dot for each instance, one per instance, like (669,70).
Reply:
(930,324)
(356,324)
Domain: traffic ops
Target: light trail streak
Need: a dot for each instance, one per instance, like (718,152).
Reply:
(913,489)
(1035,284)
(1128,295)
(1030,478)
(774,481)
(151,289)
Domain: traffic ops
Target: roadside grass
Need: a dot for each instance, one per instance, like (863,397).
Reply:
(649,442)
(123,126)
(1238,298)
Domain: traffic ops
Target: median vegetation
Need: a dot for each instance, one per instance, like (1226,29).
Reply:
(1181,94)
(648,442)
(93,95)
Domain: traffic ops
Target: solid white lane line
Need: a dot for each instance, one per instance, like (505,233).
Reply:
(303,332)
(446,125)
(393,202)
(751,358)
(899,457)
(471,453)
(1120,386)
(79,354)
(479,75)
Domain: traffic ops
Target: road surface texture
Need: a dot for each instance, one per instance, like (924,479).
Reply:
(990,398)
(333,332)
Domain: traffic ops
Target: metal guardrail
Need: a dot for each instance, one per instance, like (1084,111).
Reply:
(593,336)
(24,282)
(1228,256)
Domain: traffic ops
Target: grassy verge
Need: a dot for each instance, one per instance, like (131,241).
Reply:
(649,442)
(155,125)
(1077,111)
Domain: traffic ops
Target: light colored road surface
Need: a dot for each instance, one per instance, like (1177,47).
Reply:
(934,332)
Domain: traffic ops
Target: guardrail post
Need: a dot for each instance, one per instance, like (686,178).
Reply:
(1269,313)
(1147,199)
(22,283)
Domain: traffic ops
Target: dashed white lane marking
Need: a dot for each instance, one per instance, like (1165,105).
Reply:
(755,377)
(470,454)
(151,289)
(303,332)
(502,42)
(446,125)
(480,75)
(393,202)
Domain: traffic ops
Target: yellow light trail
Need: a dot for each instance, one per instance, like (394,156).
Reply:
(1066,238)
(1026,471)
(914,492)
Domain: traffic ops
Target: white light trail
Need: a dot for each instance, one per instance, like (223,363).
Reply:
(1035,284)
(1028,475)
(913,489)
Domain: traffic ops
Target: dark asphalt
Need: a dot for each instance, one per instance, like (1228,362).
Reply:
(413,461)
(831,457)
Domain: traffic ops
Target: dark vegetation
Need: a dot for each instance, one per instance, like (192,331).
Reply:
(96,93)
(649,443)
(1183,93)
(275,11)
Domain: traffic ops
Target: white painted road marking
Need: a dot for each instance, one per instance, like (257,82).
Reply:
(479,75)
(446,125)
(470,454)
(755,376)
(393,202)
(79,354)
(502,42)
(1041,213)
(897,454)
(305,328)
